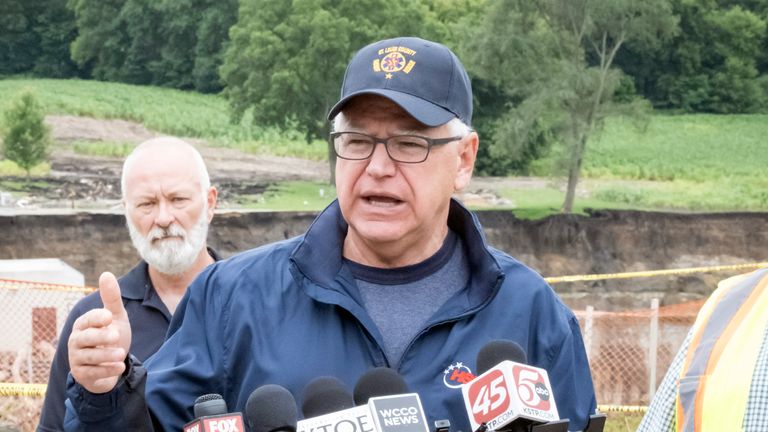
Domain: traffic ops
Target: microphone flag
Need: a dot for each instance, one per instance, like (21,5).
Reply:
(507,392)
(398,413)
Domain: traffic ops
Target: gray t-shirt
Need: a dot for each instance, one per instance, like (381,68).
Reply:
(401,300)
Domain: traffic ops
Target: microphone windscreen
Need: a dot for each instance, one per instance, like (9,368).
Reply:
(324,395)
(381,381)
(210,404)
(496,351)
(271,408)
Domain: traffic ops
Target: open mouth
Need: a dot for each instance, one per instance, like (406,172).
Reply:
(382,201)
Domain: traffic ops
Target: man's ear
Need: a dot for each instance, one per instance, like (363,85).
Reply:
(211,198)
(466,160)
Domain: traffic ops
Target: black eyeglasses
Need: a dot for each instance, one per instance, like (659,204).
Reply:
(400,148)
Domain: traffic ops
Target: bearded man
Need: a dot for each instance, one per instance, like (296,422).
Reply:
(169,203)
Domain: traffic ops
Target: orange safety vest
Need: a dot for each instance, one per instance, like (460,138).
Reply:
(725,342)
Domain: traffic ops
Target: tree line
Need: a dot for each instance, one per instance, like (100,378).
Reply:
(545,72)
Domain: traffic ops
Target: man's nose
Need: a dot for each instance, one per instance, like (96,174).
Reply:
(164,217)
(380,164)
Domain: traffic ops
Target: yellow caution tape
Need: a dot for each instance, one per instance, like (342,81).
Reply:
(18,389)
(639,409)
(649,273)
(11,284)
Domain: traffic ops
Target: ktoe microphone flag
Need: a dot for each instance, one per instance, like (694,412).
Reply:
(328,407)
(357,419)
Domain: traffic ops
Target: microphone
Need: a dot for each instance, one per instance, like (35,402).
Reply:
(596,423)
(380,381)
(271,408)
(211,416)
(496,351)
(392,407)
(328,407)
(510,395)
(325,395)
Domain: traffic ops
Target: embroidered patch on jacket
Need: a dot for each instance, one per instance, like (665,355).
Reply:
(457,374)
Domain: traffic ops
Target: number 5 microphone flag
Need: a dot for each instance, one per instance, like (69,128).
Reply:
(507,392)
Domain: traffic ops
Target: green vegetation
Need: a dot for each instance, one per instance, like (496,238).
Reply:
(174,112)
(16,186)
(538,203)
(692,162)
(558,96)
(10,169)
(26,138)
(292,196)
(623,422)
(99,148)
(697,147)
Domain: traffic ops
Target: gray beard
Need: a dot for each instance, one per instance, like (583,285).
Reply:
(172,256)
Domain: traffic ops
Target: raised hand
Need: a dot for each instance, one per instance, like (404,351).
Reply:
(100,340)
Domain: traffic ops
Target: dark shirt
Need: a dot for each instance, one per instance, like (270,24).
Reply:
(149,323)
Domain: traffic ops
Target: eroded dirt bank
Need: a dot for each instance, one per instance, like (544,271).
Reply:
(605,242)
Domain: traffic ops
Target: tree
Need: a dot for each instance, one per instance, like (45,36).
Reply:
(194,33)
(35,38)
(554,61)
(712,64)
(27,138)
(99,48)
(18,44)
(285,60)
(55,26)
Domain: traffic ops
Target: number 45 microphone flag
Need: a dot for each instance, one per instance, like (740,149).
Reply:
(507,392)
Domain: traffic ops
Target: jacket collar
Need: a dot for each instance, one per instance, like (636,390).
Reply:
(319,255)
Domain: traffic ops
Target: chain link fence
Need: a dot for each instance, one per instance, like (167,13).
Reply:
(628,351)
(33,316)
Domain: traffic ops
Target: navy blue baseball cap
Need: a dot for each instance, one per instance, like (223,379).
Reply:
(424,78)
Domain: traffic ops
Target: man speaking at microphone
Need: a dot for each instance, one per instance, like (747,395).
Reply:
(395,273)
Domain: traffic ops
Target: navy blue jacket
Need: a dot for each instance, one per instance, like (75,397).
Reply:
(289,312)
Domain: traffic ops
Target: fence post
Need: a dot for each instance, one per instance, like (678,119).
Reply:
(588,331)
(653,345)
(29,364)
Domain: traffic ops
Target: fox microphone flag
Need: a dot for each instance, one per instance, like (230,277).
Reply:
(211,416)
(507,392)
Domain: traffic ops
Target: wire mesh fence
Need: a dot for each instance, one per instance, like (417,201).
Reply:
(629,351)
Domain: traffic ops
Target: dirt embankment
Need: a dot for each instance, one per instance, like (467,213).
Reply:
(605,242)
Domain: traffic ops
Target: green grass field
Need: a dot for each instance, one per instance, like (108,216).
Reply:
(694,162)
(622,422)
(175,112)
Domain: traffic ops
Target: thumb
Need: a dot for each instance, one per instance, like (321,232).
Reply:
(109,290)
